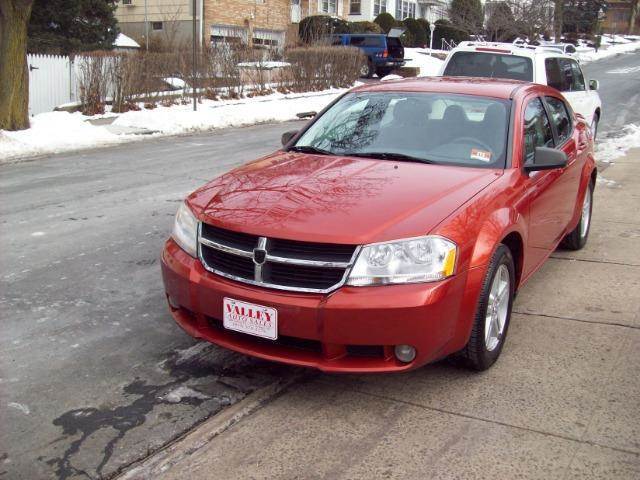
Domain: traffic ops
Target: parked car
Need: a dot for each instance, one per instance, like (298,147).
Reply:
(566,48)
(531,64)
(384,53)
(393,230)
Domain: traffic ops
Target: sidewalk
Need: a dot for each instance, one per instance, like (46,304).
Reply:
(562,402)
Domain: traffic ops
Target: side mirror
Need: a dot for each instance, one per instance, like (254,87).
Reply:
(594,84)
(287,136)
(547,159)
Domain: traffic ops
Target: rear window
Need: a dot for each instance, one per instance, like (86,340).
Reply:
(366,41)
(492,65)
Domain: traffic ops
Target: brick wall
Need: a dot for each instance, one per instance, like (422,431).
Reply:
(266,14)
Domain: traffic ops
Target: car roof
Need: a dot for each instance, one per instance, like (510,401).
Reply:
(530,51)
(479,86)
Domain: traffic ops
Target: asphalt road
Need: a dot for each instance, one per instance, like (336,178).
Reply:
(94,374)
(619,78)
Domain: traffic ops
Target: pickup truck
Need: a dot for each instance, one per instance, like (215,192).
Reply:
(384,53)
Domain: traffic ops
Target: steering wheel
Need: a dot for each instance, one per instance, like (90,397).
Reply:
(473,141)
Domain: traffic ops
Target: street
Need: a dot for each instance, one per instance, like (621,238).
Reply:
(95,375)
(619,89)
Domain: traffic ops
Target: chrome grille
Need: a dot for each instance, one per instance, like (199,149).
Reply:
(273,262)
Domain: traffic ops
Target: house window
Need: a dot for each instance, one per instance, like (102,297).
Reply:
(329,6)
(379,6)
(157,26)
(354,7)
(405,9)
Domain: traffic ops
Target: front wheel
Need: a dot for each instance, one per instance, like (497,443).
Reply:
(366,71)
(493,314)
(578,237)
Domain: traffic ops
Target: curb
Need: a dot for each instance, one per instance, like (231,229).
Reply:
(164,459)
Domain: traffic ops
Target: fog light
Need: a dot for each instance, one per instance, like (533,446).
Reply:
(172,302)
(405,353)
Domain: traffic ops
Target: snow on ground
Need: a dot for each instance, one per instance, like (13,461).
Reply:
(612,148)
(55,132)
(588,54)
(420,58)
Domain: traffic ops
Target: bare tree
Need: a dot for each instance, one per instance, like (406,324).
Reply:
(635,5)
(14,76)
(557,19)
(506,19)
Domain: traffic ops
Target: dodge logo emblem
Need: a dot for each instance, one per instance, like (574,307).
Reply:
(259,256)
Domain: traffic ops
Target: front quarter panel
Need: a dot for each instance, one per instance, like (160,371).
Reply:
(478,228)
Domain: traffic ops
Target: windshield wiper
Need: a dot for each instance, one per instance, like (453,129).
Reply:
(309,149)
(389,156)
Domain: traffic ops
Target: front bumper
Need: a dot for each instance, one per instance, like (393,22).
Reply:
(353,329)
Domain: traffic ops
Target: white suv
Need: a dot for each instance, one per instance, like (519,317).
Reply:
(531,64)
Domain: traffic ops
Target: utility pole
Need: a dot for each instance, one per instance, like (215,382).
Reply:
(195,55)
(146,27)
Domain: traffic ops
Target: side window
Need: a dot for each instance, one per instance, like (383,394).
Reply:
(555,78)
(578,77)
(357,41)
(537,129)
(560,118)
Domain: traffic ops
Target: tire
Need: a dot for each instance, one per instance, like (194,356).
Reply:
(367,70)
(383,72)
(578,237)
(594,125)
(491,323)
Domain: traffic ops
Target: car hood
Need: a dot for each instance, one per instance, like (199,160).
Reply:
(336,199)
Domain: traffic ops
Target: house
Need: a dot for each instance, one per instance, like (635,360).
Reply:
(622,17)
(252,22)
(334,8)
(166,20)
(368,10)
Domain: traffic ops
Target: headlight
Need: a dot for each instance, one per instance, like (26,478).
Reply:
(420,259)
(185,230)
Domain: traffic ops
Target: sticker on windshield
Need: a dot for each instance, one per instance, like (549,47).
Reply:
(481,155)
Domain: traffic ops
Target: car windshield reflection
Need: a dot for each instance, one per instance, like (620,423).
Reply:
(438,128)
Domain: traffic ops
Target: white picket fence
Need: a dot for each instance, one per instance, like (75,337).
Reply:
(52,82)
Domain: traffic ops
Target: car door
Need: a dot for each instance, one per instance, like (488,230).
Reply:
(575,88)
(545,186)
(566,138)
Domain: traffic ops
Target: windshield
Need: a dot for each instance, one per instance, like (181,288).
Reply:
(428,127)
(493,65)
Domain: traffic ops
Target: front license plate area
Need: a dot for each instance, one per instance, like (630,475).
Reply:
(250,318)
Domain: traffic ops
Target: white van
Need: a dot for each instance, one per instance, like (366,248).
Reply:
(530,64)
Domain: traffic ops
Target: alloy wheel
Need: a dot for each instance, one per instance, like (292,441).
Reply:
(497,308)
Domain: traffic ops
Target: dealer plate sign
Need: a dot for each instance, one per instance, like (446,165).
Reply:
(250,318)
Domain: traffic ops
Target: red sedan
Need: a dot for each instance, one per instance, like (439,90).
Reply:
(391,231)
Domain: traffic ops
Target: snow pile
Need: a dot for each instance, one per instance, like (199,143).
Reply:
(55,132)
(264,65)
(612,148)
(122,41)
(420,58)
(272,108)
(588,54)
